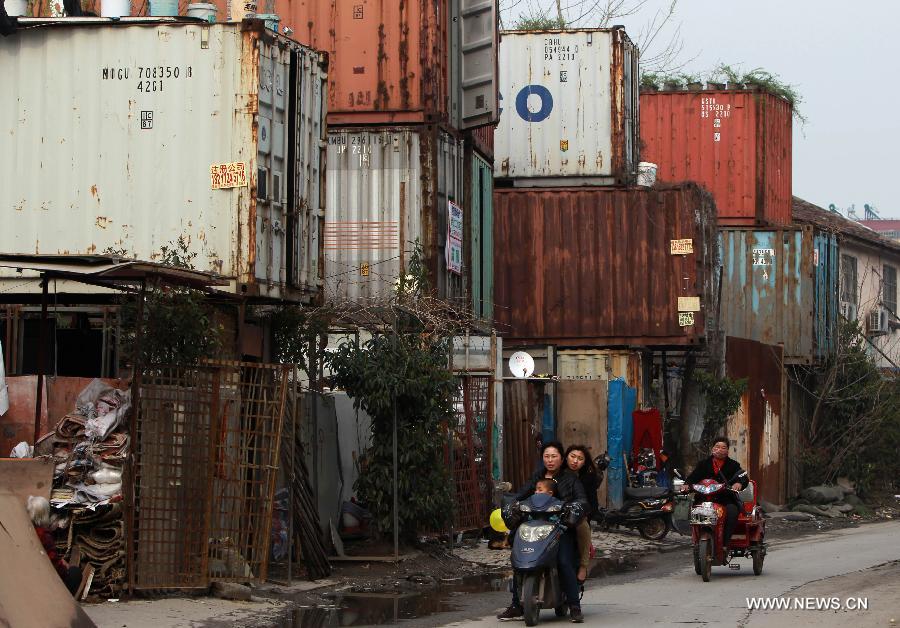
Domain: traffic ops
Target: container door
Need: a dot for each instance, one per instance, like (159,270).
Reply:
(482,239)
(474,94)
(306,195)
(271,217)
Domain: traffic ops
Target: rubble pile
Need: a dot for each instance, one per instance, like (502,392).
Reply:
(830,502)
(89,447)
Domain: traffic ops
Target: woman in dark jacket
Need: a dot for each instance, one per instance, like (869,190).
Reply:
(579,462)
(568,489)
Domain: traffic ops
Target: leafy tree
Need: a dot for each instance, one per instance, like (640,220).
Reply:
(402,373)
(178,322)
(723,398)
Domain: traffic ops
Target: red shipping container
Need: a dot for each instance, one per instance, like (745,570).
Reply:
(735,143)
(387,59)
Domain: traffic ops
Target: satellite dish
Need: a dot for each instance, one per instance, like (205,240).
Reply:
(521,364)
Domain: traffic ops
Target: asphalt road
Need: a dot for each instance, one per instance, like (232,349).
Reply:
(823,579)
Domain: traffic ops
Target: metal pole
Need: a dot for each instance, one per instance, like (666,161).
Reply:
(42,360)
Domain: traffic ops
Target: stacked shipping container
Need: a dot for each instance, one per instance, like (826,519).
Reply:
(413,98)
(735,143)
(570,107)
(209,133)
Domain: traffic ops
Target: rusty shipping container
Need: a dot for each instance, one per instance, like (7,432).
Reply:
(387,188)
(403,62)
(605,266)
(482,140)
(131,135)
(570,108)
(780,287)
(735,143)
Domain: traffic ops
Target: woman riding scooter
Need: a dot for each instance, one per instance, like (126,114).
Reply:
(721,468)
(568,489)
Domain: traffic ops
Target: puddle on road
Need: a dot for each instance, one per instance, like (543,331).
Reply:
(372,609)
(368,609)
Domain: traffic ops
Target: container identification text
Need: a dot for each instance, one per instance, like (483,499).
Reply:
(150,78)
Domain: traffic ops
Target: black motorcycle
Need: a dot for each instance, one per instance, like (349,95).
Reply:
(647,509)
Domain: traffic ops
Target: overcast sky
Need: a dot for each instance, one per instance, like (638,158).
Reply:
(842,59)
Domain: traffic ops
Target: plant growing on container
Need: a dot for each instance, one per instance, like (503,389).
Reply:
(650,81)
(762,80)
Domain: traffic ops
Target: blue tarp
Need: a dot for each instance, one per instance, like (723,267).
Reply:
(621,400)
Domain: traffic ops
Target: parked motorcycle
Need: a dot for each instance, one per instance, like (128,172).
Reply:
(539,522)
(647,509)
(708,527)
(645,472)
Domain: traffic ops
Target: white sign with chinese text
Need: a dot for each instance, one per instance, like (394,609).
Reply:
(685,319)
(223,176)
(454,238)
(681,247)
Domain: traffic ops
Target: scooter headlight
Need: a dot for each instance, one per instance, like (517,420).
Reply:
(532,534)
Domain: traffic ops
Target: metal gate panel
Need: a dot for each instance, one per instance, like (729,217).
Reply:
(206,457)
(471,455)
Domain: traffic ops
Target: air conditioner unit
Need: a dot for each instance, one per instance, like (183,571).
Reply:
(877,322)
(848,311)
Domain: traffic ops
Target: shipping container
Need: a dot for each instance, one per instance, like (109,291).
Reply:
(605,266)
(387,188)
(128,136)
(779,287)
(570,107)
(481,251)
(482,140)
(406,62)
(735,143)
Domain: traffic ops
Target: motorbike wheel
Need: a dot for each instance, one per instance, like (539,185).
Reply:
(697,560)
(704,548)
(531,605)
(758,558)
(654,529)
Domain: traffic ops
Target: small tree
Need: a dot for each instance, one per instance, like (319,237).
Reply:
(402,374)
(854,427)
(723,398)
(178,322)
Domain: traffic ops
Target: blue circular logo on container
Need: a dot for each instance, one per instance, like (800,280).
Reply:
(546,103)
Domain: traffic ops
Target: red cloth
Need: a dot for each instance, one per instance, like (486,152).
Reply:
(717,466)
(647,432)
(49,544)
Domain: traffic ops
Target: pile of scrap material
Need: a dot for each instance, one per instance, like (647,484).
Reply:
(89,447)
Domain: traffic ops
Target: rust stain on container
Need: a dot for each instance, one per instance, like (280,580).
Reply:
(406,42)
(736,143)
(571,265)
(761,364)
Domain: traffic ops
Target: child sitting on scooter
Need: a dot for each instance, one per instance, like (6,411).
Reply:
(547,486)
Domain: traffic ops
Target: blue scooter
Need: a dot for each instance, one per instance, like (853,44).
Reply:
(538,524)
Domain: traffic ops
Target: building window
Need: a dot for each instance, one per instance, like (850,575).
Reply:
(848,279)
(889,289)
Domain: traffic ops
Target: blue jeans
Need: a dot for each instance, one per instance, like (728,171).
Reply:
(567,566)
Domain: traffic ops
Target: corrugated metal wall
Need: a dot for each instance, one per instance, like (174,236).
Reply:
(766,432)
(594,266)
(111,146)
(737,144)
(387,188)
(772,290)
(569,103)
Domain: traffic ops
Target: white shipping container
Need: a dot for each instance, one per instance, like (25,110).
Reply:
(569,107)
(388,188)
(128,135)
